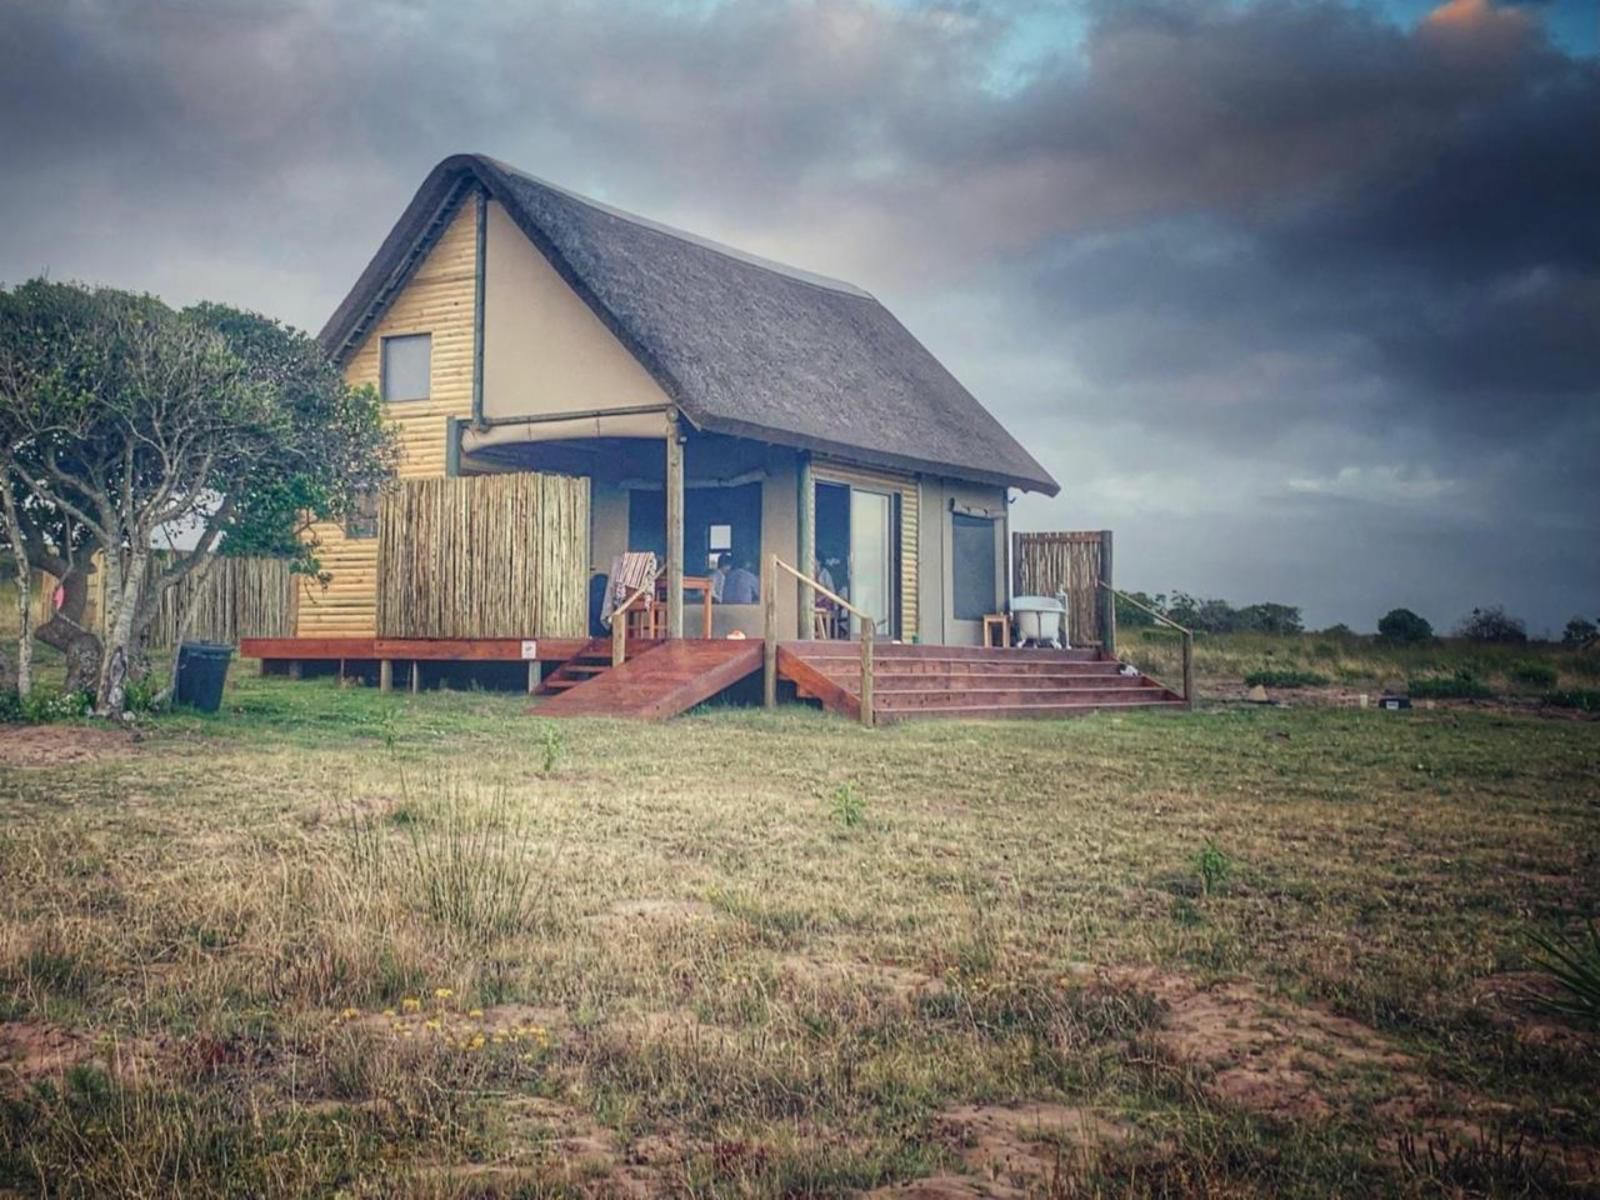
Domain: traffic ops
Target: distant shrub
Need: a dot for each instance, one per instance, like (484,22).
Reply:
(1533,674)
(1285,677)
(1493,624)
(10,705)
(1578,631)
(1405,627)
(1326,650)
(1582,699)
(1463,685)
(1341,630)
(1131,616)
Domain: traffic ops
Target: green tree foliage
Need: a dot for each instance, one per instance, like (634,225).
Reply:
(1404,627)
(1579,630)
(123,418)
(1493,624)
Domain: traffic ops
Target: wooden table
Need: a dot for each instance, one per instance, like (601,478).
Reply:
(691,583)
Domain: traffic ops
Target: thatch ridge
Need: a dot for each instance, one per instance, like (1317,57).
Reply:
(742,345)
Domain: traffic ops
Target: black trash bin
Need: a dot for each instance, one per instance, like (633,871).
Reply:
(202,670)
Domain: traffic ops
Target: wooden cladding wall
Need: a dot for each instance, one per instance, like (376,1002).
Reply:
(1043,564)
(905,486)
(484,556)
(438,300)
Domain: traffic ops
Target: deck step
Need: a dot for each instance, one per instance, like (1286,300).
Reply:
(1014,711)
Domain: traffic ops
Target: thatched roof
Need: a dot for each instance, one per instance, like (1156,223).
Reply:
(743,346)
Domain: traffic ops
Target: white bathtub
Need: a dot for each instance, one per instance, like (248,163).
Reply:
(1040,620)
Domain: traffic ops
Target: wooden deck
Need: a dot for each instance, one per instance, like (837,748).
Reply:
(664,678)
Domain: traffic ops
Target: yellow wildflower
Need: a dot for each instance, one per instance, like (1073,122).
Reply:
(389,1012)
(442,993)
(476,1043)
(434,1023)
(350,1014)
(410,1004)
(476,1014)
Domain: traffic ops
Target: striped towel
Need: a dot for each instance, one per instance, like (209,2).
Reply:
(629,573)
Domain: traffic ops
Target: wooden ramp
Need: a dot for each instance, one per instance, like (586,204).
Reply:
(668,678)
(967,681)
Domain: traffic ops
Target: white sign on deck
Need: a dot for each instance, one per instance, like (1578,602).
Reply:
(530,649)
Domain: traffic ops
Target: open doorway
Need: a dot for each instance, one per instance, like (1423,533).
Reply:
(858,552)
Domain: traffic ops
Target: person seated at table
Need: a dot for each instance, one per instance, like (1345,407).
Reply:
(734,585)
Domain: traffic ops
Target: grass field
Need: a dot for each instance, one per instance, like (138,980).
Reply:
(333,942)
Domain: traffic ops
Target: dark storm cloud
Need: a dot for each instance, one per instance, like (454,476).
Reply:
(1257,272)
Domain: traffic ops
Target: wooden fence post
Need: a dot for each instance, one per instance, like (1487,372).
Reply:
(866,671)
(769,654)
(1188,669)
(1108,611)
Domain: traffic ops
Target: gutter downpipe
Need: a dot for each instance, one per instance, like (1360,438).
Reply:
(479,269)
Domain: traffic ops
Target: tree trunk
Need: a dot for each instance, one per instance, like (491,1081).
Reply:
(19,551)
(67,631)
(110,696)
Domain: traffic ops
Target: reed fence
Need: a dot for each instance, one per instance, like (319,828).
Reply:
(484,556)
(1077,563)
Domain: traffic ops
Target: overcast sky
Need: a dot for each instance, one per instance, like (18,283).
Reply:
(1302,300)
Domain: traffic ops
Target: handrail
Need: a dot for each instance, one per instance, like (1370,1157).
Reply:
(837,599)
(619,624)
(770,657)
(1188,638)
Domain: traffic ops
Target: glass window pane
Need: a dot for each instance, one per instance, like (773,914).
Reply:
(406,363)
(972,557)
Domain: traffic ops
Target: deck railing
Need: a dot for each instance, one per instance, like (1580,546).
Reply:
(865,623)
(619,623)
(1188,638)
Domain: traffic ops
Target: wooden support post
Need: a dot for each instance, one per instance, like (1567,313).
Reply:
(866,672)
(296,668)
(769,657)
(386,675)
(1188,669)
(674,533)
(619,638)
(533,675)
(416,677)
(1108,598)
(341,672)
(808,549)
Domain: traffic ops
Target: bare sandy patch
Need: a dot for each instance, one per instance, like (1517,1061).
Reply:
(62,745)
(1283,1059)
(31,1051)
(1027,1145)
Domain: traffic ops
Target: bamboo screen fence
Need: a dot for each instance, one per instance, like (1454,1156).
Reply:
(235,598)
(484,556)
(1046,563)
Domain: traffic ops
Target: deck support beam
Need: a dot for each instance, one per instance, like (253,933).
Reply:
(416,677)
(386,675)
(808,549)
(769,654)
(674,507)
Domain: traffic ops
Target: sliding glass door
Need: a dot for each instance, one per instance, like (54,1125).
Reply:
(872,557)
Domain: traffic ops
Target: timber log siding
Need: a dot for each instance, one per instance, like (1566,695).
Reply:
(438,300)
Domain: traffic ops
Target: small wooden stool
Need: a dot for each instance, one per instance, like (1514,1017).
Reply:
(996,623)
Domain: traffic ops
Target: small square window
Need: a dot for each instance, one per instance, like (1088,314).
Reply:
(362,523)
(404,372)
(721,537)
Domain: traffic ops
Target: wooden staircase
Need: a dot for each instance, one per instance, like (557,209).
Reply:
(660,680)
(590,662)
(967,681)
